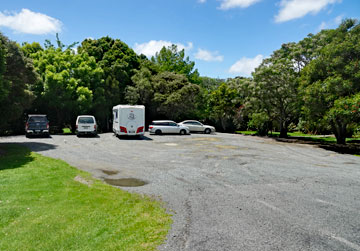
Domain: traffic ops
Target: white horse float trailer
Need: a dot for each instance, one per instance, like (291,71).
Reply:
(129,120)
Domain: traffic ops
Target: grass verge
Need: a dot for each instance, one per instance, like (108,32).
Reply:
(66,131)
(43,207)
(309,137)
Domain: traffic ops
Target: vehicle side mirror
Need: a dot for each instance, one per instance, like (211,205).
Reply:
(178,125)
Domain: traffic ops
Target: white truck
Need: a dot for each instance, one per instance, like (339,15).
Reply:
(129,120)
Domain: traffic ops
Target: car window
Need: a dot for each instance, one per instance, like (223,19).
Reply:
(86,120)
(196,123)
(172,124)
(37,119)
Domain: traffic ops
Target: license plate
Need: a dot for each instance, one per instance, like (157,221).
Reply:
(37,130)
(131,131)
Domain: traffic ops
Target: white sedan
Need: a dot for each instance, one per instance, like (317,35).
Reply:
(196,126)
(167,126)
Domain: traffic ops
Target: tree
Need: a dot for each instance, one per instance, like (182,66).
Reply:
(17,75)
(67,86)
(223,105)
(119,63)
(331,82)
(275,89)
(171,60)
(165,94)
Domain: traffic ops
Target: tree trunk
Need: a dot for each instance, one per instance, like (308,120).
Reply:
(340,132)
(223,123)
(283,130)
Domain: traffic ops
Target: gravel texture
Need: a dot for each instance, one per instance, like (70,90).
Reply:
(229,192)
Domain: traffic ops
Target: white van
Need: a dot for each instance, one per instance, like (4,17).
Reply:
(86,124)
(129,120)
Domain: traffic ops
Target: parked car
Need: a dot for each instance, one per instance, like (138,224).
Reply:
(86,125)
(167,126)
(196,126)
(37,124)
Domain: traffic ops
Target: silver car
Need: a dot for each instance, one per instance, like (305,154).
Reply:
(196,126)
(167,126)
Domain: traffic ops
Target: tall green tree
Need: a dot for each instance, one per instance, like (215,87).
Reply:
(165,94)
(119,63)
(68,82)
(170,59)
(330,83)
(275,89)
(223,106)
(17,75)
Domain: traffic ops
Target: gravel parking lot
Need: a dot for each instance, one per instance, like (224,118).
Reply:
(229,192)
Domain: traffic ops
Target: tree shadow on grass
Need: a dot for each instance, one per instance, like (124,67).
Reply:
(16,155)
(349,148)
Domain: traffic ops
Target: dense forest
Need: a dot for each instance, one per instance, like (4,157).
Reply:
(312,85)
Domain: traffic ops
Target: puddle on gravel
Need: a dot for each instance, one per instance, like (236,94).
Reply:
(171,144)
(226,147)
(126,182)
(110,172)
(349,163)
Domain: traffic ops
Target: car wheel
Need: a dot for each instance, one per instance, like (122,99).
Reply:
(182,132)
(207,131)
(158,132)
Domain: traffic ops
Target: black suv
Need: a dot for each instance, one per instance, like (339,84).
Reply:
(37,124)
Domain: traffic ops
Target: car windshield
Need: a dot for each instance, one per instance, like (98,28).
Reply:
(86,120)
(37,119)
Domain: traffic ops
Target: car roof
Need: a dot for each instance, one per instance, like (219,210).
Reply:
(163,121)
(40,115)
(190,121)
(80,116)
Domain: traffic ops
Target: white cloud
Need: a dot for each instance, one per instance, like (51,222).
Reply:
(293,9)
(208,55)
(30,22)
(201,1)
(150,48)
(331,24)
(246,65)
(229,4)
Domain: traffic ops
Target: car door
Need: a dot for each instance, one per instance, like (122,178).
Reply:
(190,125)
(197,126)
(173,127)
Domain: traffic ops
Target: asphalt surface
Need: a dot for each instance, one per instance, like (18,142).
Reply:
(230,192)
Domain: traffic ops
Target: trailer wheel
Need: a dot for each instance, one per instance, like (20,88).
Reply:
(158,132)
(182,132)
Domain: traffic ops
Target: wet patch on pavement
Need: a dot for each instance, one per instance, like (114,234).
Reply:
(126,182)
(110,172)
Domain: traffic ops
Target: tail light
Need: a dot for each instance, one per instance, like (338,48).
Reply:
(140,129)
(123,129)
(151,127)
(47,126)
(26,126)
(76,126)
(94,127)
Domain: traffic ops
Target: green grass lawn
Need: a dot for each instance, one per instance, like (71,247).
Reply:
(66,131)
(42,207)
(310,137)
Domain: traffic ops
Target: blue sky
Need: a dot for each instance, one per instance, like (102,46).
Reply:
(225,38)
